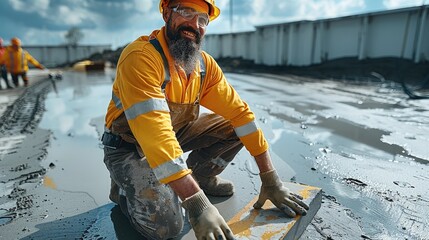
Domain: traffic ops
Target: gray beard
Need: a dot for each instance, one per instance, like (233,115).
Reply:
(186,53)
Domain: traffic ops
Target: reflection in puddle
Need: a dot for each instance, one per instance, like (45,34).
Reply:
(74,148)
(367,136)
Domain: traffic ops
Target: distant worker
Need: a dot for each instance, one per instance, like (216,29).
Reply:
(16,60)
(2,66)
(153,118)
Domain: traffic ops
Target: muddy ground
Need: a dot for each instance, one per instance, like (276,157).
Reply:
(33,153)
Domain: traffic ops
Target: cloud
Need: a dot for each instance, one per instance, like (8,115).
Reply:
(305,9)
(45,21)
(144,5)
(30,5)
(73,16)
(392,4)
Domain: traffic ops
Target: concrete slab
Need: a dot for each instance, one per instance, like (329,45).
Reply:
(271,223)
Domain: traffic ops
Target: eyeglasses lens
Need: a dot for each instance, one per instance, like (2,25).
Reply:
(189,14)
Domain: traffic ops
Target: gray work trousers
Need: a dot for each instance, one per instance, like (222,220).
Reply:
(153,208)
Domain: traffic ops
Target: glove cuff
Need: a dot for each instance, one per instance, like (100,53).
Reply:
(270,178)
(196,204)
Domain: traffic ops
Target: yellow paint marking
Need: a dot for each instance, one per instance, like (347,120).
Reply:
(306,192)
(243,226)
(264,224)
(48,182)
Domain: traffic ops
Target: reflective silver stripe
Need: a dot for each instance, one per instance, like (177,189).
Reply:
(246,129)
(220,162)
(117,101)
(152,104)
(169,168)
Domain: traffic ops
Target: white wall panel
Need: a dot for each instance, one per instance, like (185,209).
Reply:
(342,38)
(386,35)
(400,33)
(268,45)
(304,43)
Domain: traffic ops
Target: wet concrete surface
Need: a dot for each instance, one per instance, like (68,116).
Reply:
(365,145)
(338,146)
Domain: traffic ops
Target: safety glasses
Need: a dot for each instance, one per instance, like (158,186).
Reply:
(189,14)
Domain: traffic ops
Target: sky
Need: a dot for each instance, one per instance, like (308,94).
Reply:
(118,22)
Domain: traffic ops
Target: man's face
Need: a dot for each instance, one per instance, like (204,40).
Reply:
(185,34)
(180,27)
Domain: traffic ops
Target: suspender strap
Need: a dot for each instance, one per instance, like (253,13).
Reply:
(202,69)
(202,76)
(158,47)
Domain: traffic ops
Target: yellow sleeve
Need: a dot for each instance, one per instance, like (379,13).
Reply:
(140,73)
(220,97)
(32,59)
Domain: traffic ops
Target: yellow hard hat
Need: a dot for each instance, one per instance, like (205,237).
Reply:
(213,12)
(15,42)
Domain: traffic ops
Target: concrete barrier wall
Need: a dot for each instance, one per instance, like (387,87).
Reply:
(402,33)
(55,55)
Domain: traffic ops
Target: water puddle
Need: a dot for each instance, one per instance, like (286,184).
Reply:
(75,158)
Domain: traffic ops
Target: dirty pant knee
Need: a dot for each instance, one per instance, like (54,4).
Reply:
(158,216)
(153,208)
(163,227)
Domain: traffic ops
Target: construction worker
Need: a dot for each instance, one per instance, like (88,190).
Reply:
(16,60)
(153,118)
(2,66)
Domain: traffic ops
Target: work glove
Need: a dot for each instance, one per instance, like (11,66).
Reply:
(205,218)
(273,189)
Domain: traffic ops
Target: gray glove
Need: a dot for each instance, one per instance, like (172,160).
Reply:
(205,218)
(272,188)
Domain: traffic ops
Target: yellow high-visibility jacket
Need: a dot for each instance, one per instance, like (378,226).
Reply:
(17,61)
(137,91)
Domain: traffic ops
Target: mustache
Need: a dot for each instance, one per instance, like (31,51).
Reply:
(189,29)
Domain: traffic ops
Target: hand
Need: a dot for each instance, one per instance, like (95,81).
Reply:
(273,189)
(205,218)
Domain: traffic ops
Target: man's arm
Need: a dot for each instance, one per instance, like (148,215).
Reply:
(203,216)
(264,162)
(185,187)
(34,61)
